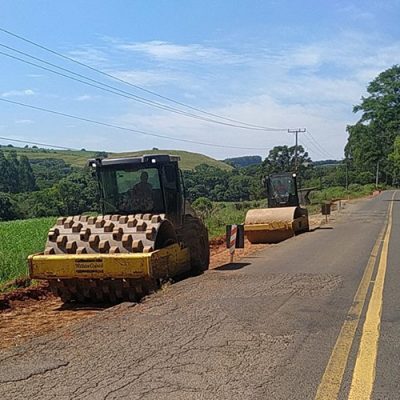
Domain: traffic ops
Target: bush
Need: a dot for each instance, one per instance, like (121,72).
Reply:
(355,187)
(203,207)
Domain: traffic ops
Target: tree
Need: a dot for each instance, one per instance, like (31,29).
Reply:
(7,208)
(4,185)
(394,159)
(13,173)
(49,171)
(27,181)
(372,138)
(42,203)
(79,193)
(282,159)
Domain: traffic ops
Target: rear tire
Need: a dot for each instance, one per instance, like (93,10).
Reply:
(195,236)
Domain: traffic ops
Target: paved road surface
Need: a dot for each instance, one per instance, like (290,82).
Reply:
(301,320)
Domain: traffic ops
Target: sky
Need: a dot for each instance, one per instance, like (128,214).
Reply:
(279,64)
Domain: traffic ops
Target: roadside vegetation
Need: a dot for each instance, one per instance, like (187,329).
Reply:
(338,192)
(216,215)
(18,239)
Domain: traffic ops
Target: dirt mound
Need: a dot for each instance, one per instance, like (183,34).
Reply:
(218,241)
(39,292)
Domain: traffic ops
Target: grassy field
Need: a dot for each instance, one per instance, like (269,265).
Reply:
(188,160)
(18,239)
(79,158)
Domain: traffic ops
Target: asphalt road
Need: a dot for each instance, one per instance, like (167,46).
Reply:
(316,316)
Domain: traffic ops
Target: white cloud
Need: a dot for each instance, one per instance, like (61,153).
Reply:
(24,122)
(89,55)
(146,78)
(84,97)
(18,93)
(317,90)
(176,52)
(349,50)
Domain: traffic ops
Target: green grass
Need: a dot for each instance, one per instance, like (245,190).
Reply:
(339,192)
(228,213)
(189,160)
(18,239)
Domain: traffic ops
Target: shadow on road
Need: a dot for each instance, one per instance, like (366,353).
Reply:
(320,228)
(232,266)
(84,307)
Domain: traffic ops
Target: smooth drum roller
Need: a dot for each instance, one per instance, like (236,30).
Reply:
(273,225)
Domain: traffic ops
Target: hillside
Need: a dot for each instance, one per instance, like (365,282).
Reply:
(244,161)
(78,158)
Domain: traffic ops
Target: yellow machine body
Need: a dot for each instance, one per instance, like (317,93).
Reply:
(167,262)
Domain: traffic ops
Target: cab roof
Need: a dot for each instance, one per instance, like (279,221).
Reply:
(145,159)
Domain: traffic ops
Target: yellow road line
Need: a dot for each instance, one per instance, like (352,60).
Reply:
(364,371)
(331,381)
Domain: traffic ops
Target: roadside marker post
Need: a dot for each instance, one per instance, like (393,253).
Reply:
(232,242)
(234,239)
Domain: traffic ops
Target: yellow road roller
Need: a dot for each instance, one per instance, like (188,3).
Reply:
(283,218)
(147,232)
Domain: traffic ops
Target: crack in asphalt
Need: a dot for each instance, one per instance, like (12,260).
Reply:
(44,370)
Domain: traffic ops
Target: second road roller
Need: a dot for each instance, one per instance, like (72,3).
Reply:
(284,216)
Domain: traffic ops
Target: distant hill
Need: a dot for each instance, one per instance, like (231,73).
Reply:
(244,161)
(189,160)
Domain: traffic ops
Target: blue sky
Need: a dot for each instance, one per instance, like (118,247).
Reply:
(273,63)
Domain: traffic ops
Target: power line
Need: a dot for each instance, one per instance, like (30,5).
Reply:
(36,143)
(115,91)
(244,124)
(306,142)
(123,128)
(319,146)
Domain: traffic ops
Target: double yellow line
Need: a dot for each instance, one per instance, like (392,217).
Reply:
(364,371)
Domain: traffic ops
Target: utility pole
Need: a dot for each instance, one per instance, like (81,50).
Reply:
(296,132)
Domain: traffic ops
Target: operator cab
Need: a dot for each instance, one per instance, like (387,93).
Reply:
(139,185)
(282,190)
